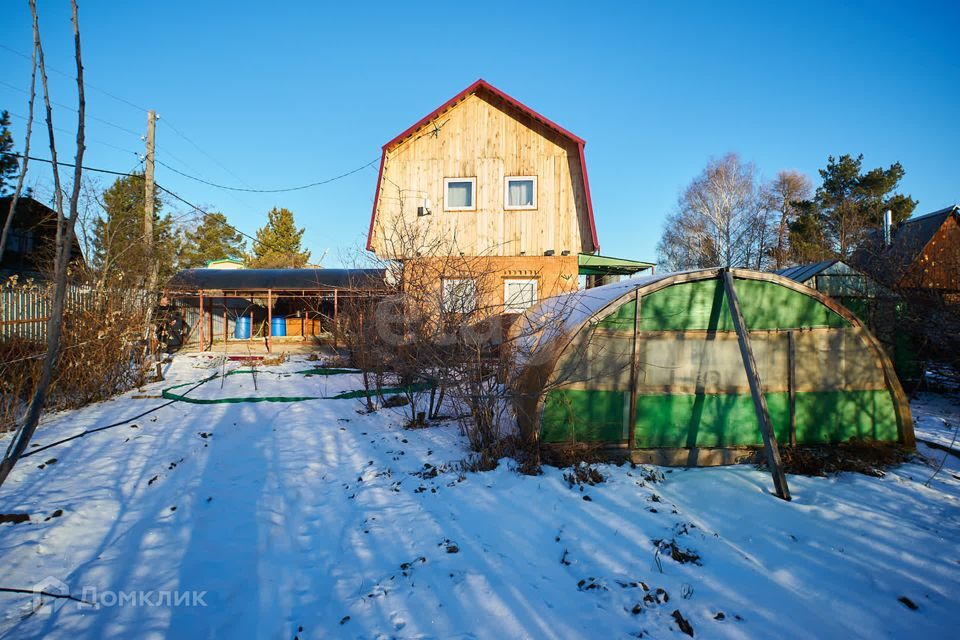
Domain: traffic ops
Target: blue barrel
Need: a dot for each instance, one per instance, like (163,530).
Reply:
(241,328)
(278,328)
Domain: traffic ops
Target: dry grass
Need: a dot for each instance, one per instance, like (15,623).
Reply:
(101,354)
(575,454)
(860,456)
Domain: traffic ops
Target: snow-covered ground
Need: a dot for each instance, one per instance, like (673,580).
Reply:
(311,520)
(937,418)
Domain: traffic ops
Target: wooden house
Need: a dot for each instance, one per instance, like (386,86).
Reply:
(920,254)
(485,180)
(32,241)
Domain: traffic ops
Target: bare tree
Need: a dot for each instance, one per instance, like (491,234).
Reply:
(717,219)
(65,234)
(783,196)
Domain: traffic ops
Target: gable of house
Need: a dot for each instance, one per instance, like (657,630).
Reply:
(483,138)
(31,243)
(924,252)
(937,265)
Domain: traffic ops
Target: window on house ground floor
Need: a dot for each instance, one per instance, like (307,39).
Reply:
(459,295)
(459,194)
(520,192)
(519,294)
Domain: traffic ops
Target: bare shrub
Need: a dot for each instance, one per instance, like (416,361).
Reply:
(101,352)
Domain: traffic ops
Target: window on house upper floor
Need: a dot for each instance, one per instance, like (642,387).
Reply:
(458,295)
(459,194)
(519,294)
(520,192)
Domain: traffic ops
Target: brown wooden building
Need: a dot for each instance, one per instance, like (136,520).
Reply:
(486,178)
(923,254)
(32,241)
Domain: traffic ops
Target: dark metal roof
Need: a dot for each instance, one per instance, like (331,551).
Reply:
(907,242)
(835,278)
(803,272)
(279,279)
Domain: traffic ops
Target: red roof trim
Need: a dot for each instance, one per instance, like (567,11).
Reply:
(376,200)
(473,88)
(476,86)
(586,188)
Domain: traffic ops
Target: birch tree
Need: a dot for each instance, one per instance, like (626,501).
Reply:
(719,220)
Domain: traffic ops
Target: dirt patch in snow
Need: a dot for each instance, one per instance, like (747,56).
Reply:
(14,518)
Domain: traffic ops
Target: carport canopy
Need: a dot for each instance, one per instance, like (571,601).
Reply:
(596,265)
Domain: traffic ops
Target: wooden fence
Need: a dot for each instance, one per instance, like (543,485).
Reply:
(24,310)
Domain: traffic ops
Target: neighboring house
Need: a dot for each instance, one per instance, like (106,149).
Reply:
(920,259)
(226,263)
(486,178)
(31,243)
(923,253)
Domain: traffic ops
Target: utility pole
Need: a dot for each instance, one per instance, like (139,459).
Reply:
(150,192)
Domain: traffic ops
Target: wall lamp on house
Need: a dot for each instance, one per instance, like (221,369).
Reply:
(424,209)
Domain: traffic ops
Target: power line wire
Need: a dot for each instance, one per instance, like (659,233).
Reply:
(69,75)
(69,108)
(284,190)
(213,217)
(162,188)
(175,195)
(73,166)
(88,139)
(165,122)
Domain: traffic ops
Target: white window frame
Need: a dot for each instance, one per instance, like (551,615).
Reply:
(450,305)
(515,308)
(473,194)
(506,194)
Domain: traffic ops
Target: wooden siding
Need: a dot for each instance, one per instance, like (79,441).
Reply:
(938,265)
(483,137)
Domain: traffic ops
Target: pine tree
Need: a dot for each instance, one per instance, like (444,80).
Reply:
(119,250)
(807,240)
(8,162)
(213,239)
(851,203)
(278,243)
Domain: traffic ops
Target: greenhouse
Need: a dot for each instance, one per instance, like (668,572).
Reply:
(660,366)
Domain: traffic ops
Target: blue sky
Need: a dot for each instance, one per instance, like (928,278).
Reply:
(269,95)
